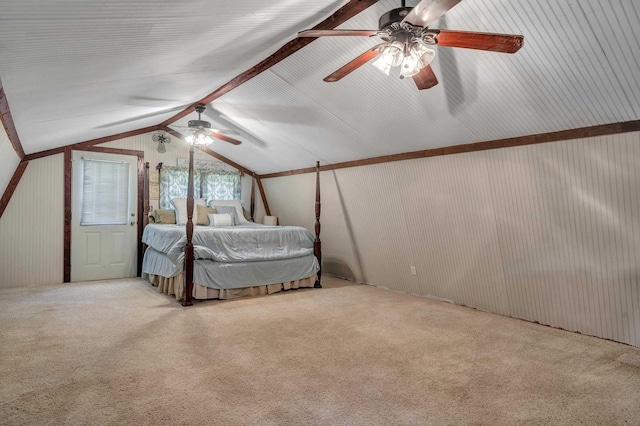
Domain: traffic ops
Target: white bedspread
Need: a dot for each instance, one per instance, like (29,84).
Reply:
(243,243)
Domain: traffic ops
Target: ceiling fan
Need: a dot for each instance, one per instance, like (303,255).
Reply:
(201,133)
(406,38)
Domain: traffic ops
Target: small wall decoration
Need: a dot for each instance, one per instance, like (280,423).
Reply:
(154,191)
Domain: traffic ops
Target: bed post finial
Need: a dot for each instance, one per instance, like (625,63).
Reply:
(317,245)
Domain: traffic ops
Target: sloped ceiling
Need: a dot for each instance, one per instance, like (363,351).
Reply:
(79,70)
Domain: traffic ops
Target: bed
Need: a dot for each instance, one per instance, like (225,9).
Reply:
(225,262)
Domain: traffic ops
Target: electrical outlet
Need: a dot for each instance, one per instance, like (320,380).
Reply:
(413,270)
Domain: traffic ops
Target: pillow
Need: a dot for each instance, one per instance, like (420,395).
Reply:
(223,219)
(231,211)
(163,216)
(235,203)
(203,212)
(246,214)
(180,205)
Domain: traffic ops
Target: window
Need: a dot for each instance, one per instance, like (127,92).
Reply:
(105,192)
(207,184)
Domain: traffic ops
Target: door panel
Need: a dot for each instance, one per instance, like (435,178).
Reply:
(103,251)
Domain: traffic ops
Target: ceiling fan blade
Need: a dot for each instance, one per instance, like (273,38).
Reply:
(428,11)
(352,33)
(225,138)
(225,131)
(505,43)
(354,64)
(140,117)
(425,79)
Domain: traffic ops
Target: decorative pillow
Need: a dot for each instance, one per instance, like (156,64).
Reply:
(202,214)
(231,211)
(180,205)
(223,219)
(246,214)
(163,216)
(235,203)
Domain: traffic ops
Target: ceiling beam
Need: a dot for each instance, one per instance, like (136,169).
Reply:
(563,135)
(90,143)
(13,184)
(9,126)
(342,15)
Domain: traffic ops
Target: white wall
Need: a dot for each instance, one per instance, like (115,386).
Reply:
(547,233)
(8,160)
(32,226)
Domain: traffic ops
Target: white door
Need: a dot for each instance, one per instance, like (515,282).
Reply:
(104,232)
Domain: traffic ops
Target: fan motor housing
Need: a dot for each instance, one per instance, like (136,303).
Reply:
(199,124)
(393,16)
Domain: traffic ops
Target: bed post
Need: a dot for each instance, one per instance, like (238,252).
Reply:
(145,206)
(252,210)
(317,245)
(188,250)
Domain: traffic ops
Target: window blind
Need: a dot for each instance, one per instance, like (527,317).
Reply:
(105,192)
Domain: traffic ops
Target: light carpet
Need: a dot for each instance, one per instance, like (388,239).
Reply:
(118,352)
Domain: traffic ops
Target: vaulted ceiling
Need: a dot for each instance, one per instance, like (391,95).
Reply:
(76,70)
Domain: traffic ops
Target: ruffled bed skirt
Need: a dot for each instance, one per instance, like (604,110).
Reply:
(175,286)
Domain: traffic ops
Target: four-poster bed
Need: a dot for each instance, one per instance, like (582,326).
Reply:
(222,262)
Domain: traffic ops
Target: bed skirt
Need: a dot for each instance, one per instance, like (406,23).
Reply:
(175,286)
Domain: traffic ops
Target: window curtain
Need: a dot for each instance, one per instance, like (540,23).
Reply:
(207,184)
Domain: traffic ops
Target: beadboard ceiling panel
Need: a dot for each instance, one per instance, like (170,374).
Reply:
(78,70)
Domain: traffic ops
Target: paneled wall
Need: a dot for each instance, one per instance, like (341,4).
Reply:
(547,233)
(32,226)
(8,160)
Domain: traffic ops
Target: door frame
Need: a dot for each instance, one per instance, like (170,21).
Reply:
(141,214)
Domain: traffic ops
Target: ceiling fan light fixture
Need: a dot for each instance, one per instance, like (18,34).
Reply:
(199,137)
(382,65)
(393,53)
(409,66)
(422,54)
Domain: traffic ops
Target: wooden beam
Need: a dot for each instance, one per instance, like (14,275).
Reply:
(343,14)
(263,196)
(67,216)
(81,146)
(9,126)
(13,184)
(107,150)
(583,132)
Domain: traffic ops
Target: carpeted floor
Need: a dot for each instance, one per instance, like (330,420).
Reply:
(119,352)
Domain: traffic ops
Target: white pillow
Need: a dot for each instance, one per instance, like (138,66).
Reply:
(235,203)
(180,205)
(223,219)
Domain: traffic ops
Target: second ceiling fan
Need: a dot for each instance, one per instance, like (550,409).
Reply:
(200,132)
(406,40)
